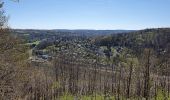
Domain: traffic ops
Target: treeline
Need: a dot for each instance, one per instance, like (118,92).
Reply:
(69,78)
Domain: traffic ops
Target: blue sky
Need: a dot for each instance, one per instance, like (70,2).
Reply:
(88,14)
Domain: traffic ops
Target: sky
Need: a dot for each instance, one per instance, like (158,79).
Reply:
(88,14)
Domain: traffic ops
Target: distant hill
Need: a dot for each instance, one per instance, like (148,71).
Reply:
(38,35)
(78,31)
(158,39)
(94,32)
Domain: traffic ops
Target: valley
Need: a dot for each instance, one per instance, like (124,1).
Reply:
(95,65)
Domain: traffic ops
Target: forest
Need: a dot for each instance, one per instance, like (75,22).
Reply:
(84,64)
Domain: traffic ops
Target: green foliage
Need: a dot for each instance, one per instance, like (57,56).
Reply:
(67,97)
(162,95)
(56,85)
(35,42)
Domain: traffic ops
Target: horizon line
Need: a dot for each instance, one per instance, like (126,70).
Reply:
(83,28)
